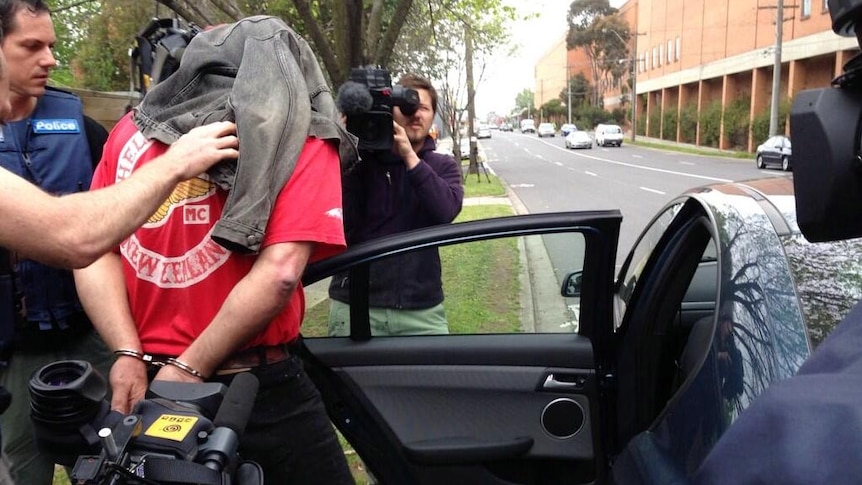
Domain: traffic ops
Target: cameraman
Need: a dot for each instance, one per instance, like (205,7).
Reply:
(391,192)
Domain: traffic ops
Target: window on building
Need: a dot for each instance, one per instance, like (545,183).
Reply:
(677,48)
(806,8)
(669,51)
(661,54)
(654,58)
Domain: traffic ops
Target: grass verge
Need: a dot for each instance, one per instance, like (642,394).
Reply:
(694,151)
(479,186)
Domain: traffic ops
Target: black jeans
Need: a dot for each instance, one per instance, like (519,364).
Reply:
(289,433)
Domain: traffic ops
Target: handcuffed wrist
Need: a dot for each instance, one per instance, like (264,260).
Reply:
(136,354)
(184,367)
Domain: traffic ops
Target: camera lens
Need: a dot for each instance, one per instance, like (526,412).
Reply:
(66,393)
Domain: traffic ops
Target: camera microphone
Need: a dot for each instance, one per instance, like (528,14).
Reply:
(354,99)
(230,421)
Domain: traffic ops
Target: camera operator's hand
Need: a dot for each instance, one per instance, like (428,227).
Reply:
(203,147)
(403,147)
(128,383)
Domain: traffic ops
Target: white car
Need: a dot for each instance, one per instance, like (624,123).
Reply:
(546,129)
(579,139)
(484,131)
(609,135)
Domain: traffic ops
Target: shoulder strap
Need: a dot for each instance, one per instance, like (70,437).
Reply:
(97,135)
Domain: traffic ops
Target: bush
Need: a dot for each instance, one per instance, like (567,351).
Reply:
(688,124)
(710,124)
(760,124)
(670,120)
(654,126)
(736,123)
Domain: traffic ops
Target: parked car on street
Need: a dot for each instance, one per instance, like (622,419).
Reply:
(634,376)
(567,128)
(506,127)
(483,131)
(546,129)
(464,146)
(609,135)
(528,126)
(579,139)
(775,151)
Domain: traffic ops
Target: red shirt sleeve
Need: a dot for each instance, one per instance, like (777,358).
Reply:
(309,207)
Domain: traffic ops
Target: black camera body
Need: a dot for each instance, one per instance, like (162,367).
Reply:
(367,100)
(826,129)
(180,434)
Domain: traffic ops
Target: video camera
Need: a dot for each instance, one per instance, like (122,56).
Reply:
(180,434)
(367,100)
(826,129)
(160,46)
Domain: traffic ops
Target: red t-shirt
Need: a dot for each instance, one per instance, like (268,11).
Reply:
(177,277)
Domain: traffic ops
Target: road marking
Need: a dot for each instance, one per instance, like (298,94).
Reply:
(651,169)
(591,173)
(653,191)
(526,186)
(637,156)
(559,164)
(687,163)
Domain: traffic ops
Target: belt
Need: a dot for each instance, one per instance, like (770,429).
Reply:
(248,359)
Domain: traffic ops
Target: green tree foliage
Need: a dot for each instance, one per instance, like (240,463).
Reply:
(760,124)
(579,88)
(670,121)
(525,100)
(594,27)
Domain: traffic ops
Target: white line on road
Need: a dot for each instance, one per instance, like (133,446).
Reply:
(559,164)
(653,190)
(637,156)
(687,163)
(641,167)
(590,173)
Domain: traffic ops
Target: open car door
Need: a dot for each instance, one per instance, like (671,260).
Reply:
(513,393)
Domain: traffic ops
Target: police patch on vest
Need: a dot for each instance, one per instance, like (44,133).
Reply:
(56,126)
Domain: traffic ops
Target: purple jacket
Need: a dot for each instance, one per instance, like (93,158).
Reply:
(382,198)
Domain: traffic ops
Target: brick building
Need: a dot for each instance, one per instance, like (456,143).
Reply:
(696,57)
(552,71)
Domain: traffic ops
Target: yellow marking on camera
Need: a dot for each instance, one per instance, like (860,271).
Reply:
(171,426)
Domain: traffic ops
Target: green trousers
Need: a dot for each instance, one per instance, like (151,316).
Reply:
(388,321)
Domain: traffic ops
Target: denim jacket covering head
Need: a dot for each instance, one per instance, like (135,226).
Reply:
(262,75)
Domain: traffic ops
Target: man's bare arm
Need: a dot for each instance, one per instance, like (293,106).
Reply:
(248,309)
(73,230)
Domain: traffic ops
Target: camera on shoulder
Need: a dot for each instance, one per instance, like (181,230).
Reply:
(367,100)
(826,129)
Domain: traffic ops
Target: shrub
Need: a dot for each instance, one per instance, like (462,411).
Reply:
(670,120)
(736,123)
(710,124)
(688,124)
(654,126)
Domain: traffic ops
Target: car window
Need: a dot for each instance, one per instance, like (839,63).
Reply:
(634,265)
(496,286)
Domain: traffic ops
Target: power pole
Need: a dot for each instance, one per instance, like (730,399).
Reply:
(776,69)
(471,94)
(569,89)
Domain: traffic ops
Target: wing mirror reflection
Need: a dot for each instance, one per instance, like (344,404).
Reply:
(572,284)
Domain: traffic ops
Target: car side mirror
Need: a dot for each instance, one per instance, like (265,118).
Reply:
(572,284)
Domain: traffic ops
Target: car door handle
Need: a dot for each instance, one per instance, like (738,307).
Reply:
(572,383)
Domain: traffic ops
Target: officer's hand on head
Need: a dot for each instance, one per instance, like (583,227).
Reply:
(204,146)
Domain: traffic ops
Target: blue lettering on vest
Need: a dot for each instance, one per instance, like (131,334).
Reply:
(56,126)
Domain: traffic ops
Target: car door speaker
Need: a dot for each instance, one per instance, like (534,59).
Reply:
(563,418)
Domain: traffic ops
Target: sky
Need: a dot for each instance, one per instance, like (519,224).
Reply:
(505,77)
